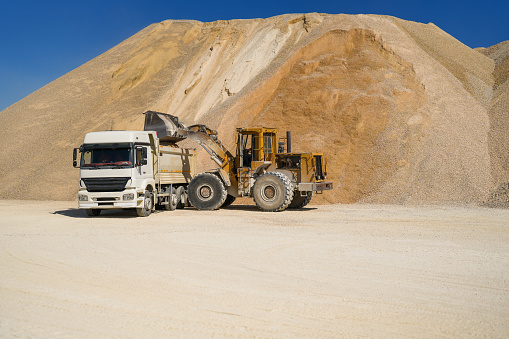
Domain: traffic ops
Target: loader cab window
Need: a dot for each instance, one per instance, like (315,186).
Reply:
(107,156)
(247,149)
(267,146)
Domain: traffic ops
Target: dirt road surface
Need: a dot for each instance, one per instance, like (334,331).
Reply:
(326,271)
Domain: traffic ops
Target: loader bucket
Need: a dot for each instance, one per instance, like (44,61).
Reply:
(166,125)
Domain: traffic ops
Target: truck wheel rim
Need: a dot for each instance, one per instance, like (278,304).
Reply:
(148,203)
(205,192)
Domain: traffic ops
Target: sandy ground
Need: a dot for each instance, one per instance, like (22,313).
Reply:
(327,271)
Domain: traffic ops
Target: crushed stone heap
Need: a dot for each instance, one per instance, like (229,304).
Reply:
(403,111)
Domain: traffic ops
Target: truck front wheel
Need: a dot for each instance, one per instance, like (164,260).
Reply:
(146,206)
(206,192)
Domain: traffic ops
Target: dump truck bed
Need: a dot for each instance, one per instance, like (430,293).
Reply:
(176,165)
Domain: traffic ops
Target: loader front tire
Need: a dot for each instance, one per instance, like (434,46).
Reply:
(206,192)
(273,192)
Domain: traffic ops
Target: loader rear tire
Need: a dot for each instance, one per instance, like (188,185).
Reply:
(206,192)
(273,192)
(300,201)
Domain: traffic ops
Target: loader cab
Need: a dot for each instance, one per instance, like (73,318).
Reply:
(255,146)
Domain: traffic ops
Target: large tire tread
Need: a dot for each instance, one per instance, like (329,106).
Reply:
(288,192)
(229,200)
(299,201)
(218,191)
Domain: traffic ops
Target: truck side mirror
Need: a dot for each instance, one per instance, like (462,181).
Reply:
(141,156)
(74,156)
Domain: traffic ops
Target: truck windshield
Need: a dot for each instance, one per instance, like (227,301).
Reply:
(107,156)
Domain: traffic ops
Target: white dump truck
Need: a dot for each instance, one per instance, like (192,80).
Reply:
(135,169)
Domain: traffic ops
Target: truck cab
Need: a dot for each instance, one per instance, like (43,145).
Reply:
(116,168)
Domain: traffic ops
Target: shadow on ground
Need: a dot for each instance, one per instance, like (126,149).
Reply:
(77,213)
(254,208)
(125,213)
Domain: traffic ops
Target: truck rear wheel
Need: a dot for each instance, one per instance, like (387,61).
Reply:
(181,197)
(273,192)
(146,206)
(300,201)
(93,212)
(206,192)
(172,200)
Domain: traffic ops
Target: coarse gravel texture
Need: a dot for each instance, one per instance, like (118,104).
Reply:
(405,113)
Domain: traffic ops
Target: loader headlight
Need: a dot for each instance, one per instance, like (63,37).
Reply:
(82,197)
(129,196)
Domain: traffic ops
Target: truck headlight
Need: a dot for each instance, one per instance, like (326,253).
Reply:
(129,196)
(82,197)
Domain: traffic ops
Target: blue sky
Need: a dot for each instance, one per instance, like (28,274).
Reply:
(42,40)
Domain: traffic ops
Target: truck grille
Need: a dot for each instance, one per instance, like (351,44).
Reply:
(105,184)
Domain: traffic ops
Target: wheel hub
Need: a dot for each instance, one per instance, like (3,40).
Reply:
(269,192)
(205,192)
(148,203)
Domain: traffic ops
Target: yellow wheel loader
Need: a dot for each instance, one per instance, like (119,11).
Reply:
(260,169)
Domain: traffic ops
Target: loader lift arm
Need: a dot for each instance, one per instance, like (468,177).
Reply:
(207,138)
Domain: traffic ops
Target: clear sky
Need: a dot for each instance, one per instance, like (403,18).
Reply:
(42,40)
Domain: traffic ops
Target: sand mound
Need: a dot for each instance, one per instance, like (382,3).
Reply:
(399,108)
(499,197)
(498,111)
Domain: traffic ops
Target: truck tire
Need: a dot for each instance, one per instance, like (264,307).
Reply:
(181,197)
(229,200)
(93,212)
(146,206)
(206,192)
(273,192)
(300,201)
(172,200)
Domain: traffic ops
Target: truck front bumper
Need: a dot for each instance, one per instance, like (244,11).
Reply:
(315,186)
(128,198)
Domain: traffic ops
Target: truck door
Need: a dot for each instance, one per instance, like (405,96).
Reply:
(143,162)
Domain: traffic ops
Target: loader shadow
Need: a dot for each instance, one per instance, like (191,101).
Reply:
(81,214)
(254,208)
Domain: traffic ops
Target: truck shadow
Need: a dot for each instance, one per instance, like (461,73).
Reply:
(127,214)
(81,214)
